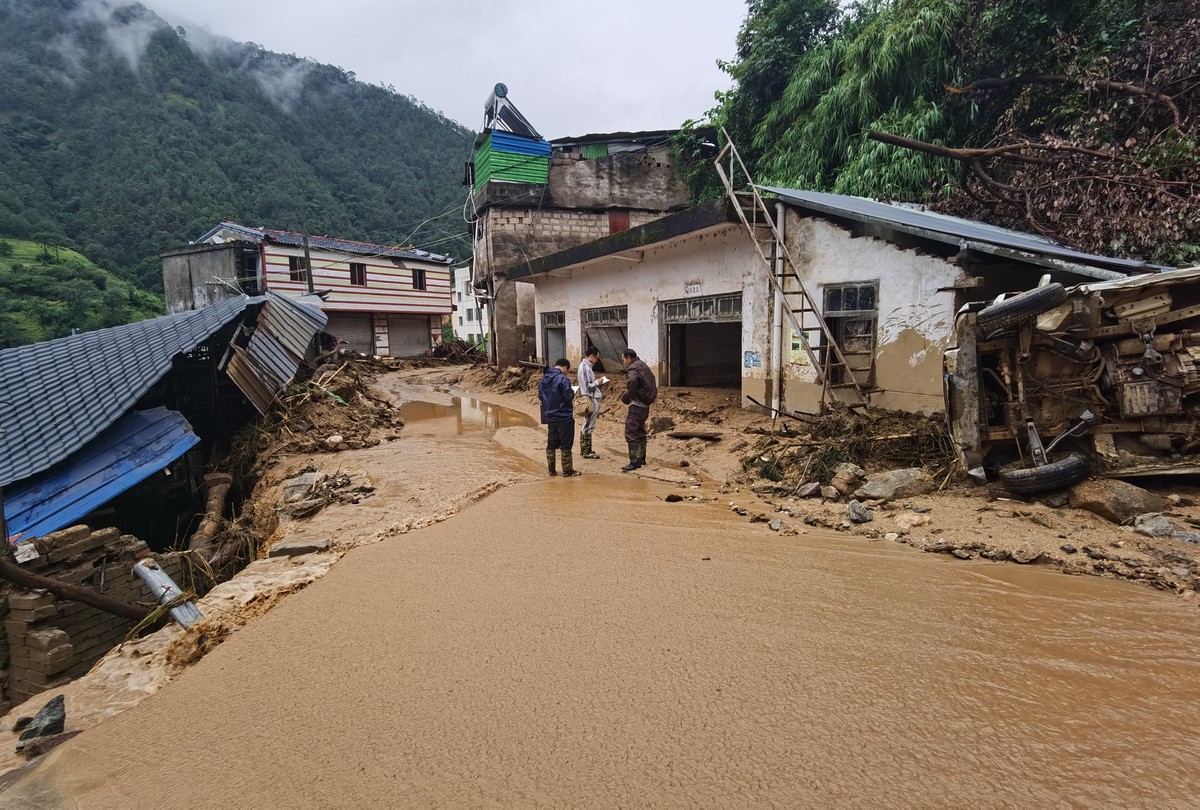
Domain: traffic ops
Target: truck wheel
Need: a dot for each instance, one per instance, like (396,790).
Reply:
(1057,474)
(1022,307)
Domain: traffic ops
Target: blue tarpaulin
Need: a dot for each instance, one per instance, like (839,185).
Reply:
(130,450)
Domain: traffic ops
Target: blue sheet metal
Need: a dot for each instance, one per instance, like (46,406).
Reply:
(129,451)
(519,145)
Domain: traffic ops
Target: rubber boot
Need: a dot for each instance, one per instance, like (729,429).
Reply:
(550,457)
(585,446)
(633,457)
(641,459)
(568,465)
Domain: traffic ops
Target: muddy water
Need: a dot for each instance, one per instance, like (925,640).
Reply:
(583,643)
(458,415)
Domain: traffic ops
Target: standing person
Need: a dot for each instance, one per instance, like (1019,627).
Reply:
(640,392)
(590,388)
(556,394)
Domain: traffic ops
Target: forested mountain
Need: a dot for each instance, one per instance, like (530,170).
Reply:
(123,137)
(1076,119)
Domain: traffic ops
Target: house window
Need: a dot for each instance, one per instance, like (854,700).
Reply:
(358,274)
(470,314)
(554,336)
(618,221)
(606,329)
(296,268)
(418,278)
(851,312)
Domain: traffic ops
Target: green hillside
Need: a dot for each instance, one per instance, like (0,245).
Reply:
(46,291)
(123,137)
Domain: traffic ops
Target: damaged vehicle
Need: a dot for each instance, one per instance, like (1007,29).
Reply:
(1052,385)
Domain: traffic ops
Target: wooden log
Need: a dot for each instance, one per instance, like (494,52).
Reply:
(694,434)
(205,536)
(17,575)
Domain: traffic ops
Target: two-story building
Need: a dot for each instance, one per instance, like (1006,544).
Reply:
(381,300)
(470,308)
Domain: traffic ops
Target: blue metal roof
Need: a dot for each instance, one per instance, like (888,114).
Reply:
(519,145)
(57,396)
(954,230)
(327,243)
(126,453)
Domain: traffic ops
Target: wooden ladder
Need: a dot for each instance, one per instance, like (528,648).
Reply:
(834,373)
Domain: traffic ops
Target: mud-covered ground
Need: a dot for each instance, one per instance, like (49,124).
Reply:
(382,480)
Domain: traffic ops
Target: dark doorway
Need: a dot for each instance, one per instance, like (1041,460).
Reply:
(704,353)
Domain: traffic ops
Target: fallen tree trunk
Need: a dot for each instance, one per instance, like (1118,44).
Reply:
(17,575)
(205,537)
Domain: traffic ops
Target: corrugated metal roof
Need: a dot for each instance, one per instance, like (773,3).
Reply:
(324,243)
(246,374)
(953,230)
(518,145)
(126,453)
(292,322)
(57,396)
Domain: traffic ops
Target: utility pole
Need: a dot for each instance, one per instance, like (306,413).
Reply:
(308,265)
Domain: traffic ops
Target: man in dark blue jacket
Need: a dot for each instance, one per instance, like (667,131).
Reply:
(558,414)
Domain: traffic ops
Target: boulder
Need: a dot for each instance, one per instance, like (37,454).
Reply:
(50,719)
(1025,554)
(809,490)
(859,513)
(300,487)
(896,484)
(1114,500)
(830,493)
(847,478)
(1160,526)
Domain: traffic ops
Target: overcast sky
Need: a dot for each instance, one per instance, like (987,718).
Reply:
(571,68)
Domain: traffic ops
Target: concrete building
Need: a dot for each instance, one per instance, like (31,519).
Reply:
(381,300)
(470,319)
(692,295)
(531,197)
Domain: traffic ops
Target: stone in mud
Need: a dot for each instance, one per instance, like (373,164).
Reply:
(1114,500)
(1181,572)
(909,520)
(297,546)
(892,536)
(299,488)
(859,513)
(1068,548)
(50,719)
(809,490)
(1160,526)
(847,477)
(809,520)
(830,493)
(775,525)
(334,441)
(941,547)
(673,498)
(1025,554)
(896,484)
(962,554)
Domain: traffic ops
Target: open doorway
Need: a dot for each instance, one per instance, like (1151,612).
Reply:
(703,340)
(554,336)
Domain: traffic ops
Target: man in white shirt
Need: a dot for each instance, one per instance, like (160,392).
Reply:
(590,388)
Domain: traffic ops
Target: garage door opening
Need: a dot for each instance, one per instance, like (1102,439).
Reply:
(704,340)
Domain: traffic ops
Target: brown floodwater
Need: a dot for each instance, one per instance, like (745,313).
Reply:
(459,415)
(582,642)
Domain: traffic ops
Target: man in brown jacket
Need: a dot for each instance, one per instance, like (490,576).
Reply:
(641,390)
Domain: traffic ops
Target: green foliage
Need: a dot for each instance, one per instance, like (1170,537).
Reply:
(127,160)
(44,299)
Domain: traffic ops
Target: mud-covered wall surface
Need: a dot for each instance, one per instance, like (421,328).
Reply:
(647,179)
(914,312)
(49,640)
(190,277)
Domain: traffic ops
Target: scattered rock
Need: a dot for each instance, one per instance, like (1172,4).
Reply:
(962,554)
(297,546)
(49,720)
(300,487)
(1181,572)
(684,463)
(896,484)
(859,513)
(847,477)
(1025,554)
(909,520)
(1068,548)
(661,423)
(1056,501)
(892,536)
(809,490)
(1114,500)
(332,442)
(775,525)
(41,745)
(1160,526)
(809,520)
(673,498)
(830,493)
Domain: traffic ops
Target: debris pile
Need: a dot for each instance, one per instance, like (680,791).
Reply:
(804,453)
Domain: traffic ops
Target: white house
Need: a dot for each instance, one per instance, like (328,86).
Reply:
(470,309)
(691,294)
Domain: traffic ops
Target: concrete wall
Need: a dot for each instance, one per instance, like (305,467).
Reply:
(51,641)
(719,263)
(914,320)
(189,277)
(644,179)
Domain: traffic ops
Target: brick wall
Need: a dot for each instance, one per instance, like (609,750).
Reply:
(51,640)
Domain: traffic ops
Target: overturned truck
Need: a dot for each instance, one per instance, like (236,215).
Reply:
(1049,386)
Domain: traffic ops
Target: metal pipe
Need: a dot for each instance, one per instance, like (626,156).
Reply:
(777,344)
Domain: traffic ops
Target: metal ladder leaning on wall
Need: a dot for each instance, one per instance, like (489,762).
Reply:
(800,307)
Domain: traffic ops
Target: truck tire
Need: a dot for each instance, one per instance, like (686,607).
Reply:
(1022,307)
(1057,474)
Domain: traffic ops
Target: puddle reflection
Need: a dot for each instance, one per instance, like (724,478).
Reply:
(463,415)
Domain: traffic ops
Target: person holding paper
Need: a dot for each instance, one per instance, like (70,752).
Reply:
(589,387)
(557,395)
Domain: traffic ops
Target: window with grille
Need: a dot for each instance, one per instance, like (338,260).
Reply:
(700,310)
(851,312)
(358,274)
